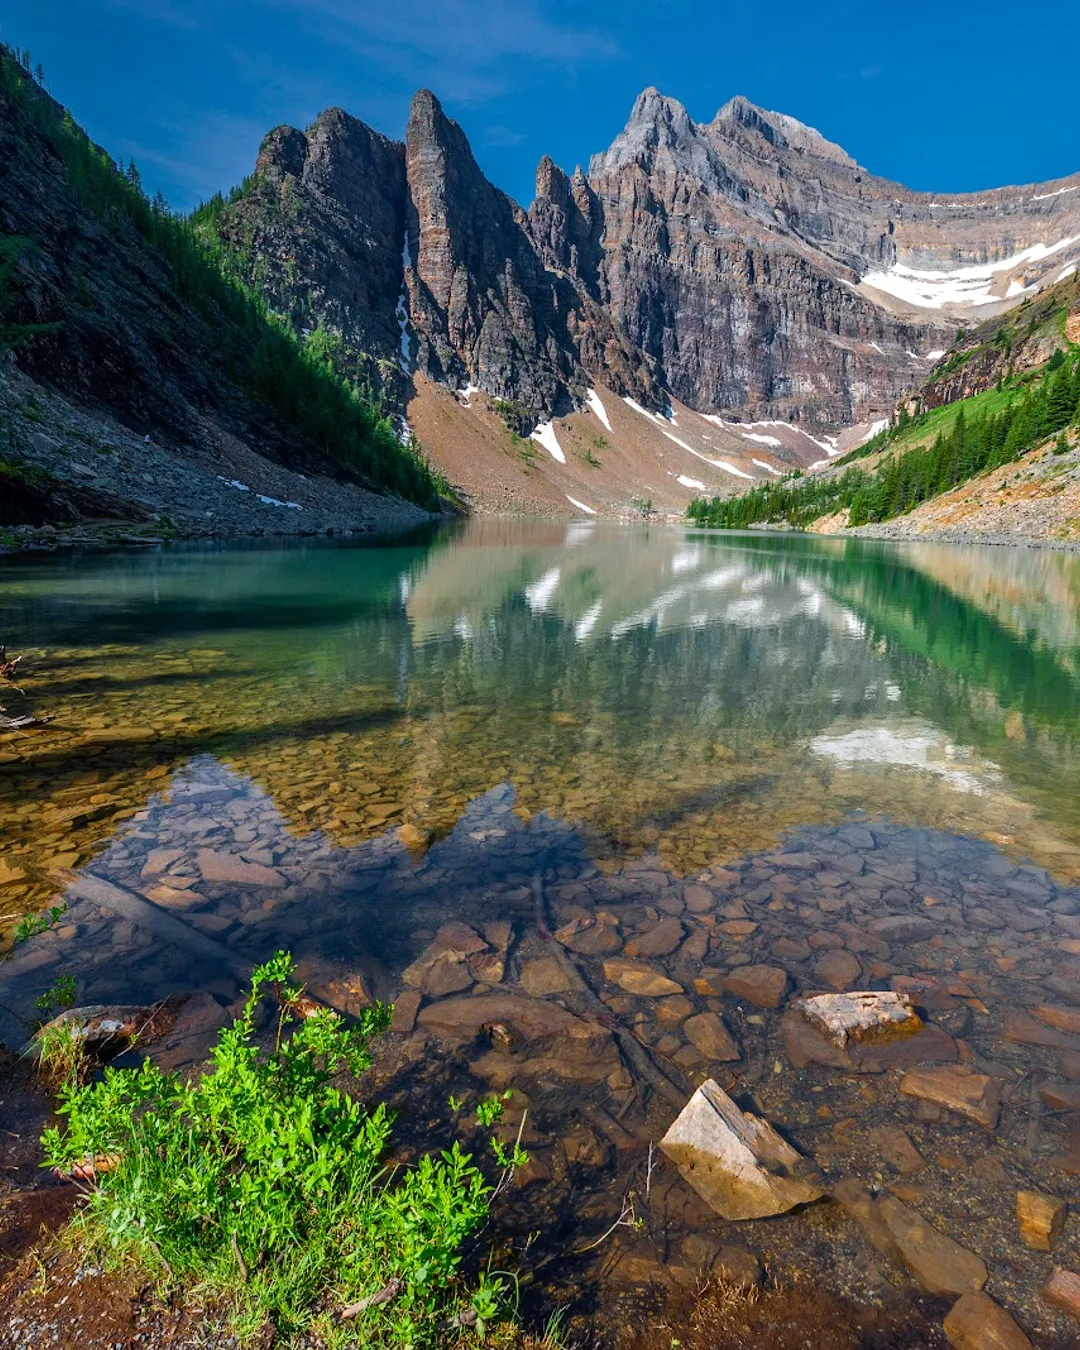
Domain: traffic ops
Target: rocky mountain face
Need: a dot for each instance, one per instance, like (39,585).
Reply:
(745,267)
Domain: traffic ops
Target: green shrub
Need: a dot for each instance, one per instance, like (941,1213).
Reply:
(263,1184)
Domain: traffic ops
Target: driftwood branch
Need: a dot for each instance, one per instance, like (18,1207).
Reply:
(633,1051)
(389,1291)
(239,1257)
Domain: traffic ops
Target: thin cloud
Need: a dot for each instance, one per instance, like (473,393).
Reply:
(464,47)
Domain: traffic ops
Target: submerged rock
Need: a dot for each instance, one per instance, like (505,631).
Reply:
(736,1161)
(707,1032)
(976,1322)
(763,986)
(937,1263)
(974,1095)
(640,979)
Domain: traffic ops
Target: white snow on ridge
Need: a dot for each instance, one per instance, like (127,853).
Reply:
(580,505)
(1066,272)
(716,463)
(761,440)
(935,355)
(545,434)
(960,286)
(875,428)
(1045,196)
(630,403)
(769,468)
(592,398)
(690,482)
(541,593)
(468,392)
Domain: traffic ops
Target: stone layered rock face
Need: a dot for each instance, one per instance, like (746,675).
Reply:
(744,266)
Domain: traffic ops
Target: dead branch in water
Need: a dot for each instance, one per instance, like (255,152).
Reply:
(8,665)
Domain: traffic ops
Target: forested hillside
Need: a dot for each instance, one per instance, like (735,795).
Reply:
(925,454)
(116,302)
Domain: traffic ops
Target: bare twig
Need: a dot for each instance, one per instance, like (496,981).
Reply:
(627,1219)
(376,1300)
(239,1257)
(648,1173)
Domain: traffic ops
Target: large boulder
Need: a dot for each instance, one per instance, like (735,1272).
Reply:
(736,1161)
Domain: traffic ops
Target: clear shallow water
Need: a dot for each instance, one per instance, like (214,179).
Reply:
(339,749)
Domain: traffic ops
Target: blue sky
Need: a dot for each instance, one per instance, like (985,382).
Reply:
(942,96)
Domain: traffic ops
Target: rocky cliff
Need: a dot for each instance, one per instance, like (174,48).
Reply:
(745,267)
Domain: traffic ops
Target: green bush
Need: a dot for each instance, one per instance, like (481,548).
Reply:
(263,1184)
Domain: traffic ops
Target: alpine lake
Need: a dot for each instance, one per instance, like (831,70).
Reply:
(558,790)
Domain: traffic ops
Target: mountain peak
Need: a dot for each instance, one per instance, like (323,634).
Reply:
(780,130)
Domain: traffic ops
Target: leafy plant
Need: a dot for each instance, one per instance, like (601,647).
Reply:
(60,994)
(267,1186)
(490,1111)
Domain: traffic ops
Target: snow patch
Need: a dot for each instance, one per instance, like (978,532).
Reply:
(761,440)
(233,483)
(875,429)
(935,355)
(273,501)
(1045,196)
(690,482)
(960,286)
(1067,271)
(541,593)
(653,417)
(767,467)
(580,505)
(467,393)
(545,435)
(592,398)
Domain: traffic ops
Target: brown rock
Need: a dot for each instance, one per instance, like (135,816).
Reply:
(938,1264)
(639,979)
(896,1148)
(976,1322)
(838,970)
(791,949)
(763,986)
(710,983)
(670,1012)
(974,1095)
(1025,1030)
(1041,1219)
(406,1006)
(707,1032)
(904,928)
(1061,1096)
(1062,1289)
(544,976)
(738,1267)
(1064,1019)
(698,899)
(587,937)
(660,940)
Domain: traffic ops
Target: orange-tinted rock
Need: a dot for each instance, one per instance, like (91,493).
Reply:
(1041,1219)
(763,986)
(838,970)
(976,1322)
(974,1095)
(707,1032)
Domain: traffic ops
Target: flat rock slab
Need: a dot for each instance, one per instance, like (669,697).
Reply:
(640,979)
(804,1044)
(976,1322)
(707,1033)
(228,868)
(542,976)
(736,1161)
(660,940)
(763,986)
(904,928)
(837,970)
(937,1263)
(974,1095)
(588,937)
